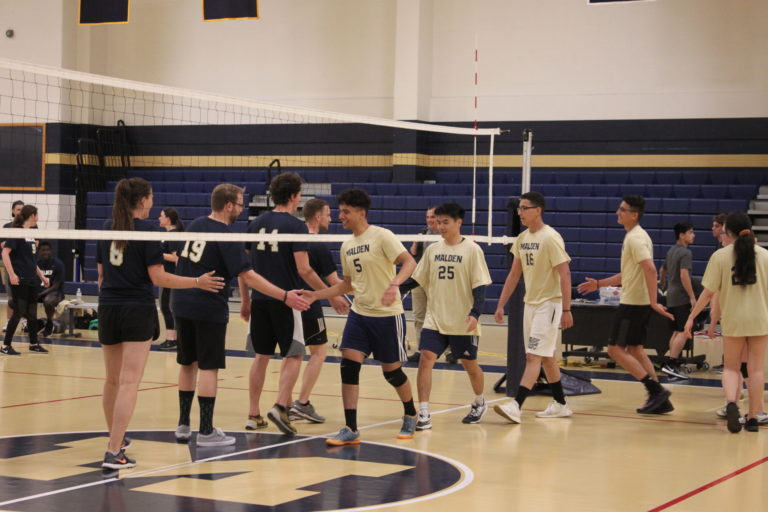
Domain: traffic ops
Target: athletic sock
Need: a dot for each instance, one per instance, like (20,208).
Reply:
(557,391)
(651,385)
(479,400)
(522,394)
(424,408)
(206,404)
(744,372)
(350,416)
(409,408)
(185,405)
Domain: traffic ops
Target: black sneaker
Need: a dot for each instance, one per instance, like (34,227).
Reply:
(664,408)
(674,370)
(168,345)
(752,425)
(9,351)
(127,442)
(414,358)
(47,330)
(118,461)
(655,400)
(733,416)
(36,347)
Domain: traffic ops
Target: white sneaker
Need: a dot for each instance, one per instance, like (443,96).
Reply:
(183,433)
(216,438)
(510,411)
(762,418)
(720,413)
(555,410)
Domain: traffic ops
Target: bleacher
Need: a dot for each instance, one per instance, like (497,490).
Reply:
(580,205)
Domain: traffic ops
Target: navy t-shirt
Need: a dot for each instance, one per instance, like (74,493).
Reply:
(275,261)
(53,269)
(24,259)
(321,261)
(171,247)
(126,278)
(228,259)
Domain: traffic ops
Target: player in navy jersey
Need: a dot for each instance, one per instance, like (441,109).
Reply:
(272,324)
(19,256)
(201,319)
(170,221)
(52,268)
(127,313)
(15,210)
(317,216)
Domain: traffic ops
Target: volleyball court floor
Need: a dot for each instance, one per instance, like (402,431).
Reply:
(605,458)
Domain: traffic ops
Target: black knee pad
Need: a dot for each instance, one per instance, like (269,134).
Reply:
(350,372)
(744,372)
(396,377)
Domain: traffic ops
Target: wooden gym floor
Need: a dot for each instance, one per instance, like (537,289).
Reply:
(605,458)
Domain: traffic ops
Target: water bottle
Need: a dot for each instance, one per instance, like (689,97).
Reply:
(79,295)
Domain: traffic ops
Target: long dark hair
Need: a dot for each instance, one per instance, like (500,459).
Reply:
(24,214)
(173,216)
(128,193)
(740,228)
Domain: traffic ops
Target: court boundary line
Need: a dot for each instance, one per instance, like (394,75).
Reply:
(468,473)
(709,485)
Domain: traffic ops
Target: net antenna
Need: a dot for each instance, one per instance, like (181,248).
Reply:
(474,148)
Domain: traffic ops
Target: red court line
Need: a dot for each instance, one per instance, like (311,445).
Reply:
(69,376)
(76,398)
(709,485)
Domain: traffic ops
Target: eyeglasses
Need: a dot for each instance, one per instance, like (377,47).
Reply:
(524,208)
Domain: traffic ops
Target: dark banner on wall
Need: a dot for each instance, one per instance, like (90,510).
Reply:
(98,12)
(21,157)
(214,10)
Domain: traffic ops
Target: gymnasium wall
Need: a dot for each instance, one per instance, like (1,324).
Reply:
(539,60)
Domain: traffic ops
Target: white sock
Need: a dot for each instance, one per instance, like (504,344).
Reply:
(479,400)
(424,408)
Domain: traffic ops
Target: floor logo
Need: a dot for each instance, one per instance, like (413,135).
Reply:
(62,472)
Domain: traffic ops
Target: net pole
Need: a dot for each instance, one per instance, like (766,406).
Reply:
(490,192)
(474,149)
(525,182)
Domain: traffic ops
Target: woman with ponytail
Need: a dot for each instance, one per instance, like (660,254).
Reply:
(739,273)
(170,221)
(20,259)
(127,313)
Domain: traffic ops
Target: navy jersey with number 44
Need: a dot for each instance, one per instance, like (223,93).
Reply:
(196,257)
(125,275)
(273,260)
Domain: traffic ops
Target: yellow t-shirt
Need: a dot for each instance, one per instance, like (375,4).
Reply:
(369,259)
(448,274)
(744,309)
(637,247)
(539,253)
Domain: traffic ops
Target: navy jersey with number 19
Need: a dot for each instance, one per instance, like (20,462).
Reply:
(196,257)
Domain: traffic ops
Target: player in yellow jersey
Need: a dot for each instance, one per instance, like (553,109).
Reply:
(636,304)
(454,275)
(376,322)
(541,259)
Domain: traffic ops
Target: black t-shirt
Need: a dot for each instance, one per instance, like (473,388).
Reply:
(171,247)
(53,269)
(228,259)
(126,278)
(321,261)
(275,261)
(24,259)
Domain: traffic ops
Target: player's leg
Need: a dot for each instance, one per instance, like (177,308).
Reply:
(732,350)
(18,292)
(756,381)
(50,301)
(211,351)
(559,407)
(288,326)
(133,361)
(464,349)
(170,325)
(419,309)
(316,339)
(31,315)
(431,345)
(186,357)
(264,340)
(388,335)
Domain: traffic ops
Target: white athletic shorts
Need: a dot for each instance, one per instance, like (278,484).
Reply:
(541,327)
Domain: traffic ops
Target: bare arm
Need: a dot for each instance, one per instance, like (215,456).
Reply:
(510,283)
(592,285)
(292,298)
(685,278)
(170,256)
(340,288)
(704,299)
(100,269)
(207,281)
(565,289)
(306,272)
(42,277)
(245,299)
(339,303)
(649,272)
(9,266)
(407,266)
(412,250)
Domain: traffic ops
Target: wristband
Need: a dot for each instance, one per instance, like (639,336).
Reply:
(285,297)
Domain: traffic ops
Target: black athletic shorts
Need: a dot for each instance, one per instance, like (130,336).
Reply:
(681,314)
(127,323)
(314,331)
(274,324)
(201,342)
(630,325)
